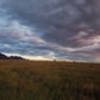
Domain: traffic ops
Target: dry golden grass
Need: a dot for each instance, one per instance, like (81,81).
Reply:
(44,80)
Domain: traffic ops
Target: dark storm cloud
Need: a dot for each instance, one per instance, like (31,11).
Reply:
(69,27)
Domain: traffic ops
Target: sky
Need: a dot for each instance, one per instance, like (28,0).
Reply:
(51,29)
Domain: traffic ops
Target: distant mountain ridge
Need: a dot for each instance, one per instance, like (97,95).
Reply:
(3,56)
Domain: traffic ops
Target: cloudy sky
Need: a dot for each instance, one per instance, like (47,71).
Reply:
(51,29)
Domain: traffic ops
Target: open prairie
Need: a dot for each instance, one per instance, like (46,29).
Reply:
(45,80)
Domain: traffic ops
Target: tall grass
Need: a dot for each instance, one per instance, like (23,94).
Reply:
(37,80)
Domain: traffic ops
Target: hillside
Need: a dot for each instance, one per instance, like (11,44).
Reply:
(2,56)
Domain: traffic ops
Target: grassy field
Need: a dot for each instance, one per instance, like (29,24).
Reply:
(37,80)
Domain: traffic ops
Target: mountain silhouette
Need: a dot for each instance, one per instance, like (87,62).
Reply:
(2,56)
(15,57)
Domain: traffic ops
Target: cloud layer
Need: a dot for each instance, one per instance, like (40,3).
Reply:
(61,29)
